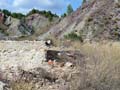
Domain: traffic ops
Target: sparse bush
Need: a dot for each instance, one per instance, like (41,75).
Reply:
(22,85)
(90,19)
(99,70)
(73,36)
(28,80)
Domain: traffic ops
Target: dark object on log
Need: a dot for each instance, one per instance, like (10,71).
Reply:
(48,43)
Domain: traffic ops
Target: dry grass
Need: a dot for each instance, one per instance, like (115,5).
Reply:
(22,85)
(33,80)
(101,68)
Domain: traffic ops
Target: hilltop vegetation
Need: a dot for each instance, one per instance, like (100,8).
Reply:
(14,15)
(47,14)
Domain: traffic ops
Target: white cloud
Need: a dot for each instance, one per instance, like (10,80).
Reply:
(30,3)
(56,6)
(43,4)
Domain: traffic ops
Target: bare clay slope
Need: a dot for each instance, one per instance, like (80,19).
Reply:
(94,20)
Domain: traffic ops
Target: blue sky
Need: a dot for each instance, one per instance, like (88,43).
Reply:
(56,6)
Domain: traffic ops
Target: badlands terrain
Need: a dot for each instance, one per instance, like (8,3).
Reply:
(84,53)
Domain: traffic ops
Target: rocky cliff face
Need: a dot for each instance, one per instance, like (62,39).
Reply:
(94,20)
(40,24)
(29,26)
(18,28)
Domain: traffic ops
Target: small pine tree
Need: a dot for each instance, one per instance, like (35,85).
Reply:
(84,1)
(69,9)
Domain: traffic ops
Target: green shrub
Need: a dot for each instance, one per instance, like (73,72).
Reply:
(63,15)
(17,15)
(47,14)
(73,36)
(69,9)
(84,1)
(14,15)
(6,12)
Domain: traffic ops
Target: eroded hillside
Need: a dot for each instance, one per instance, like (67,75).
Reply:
(28,27)
(94,20)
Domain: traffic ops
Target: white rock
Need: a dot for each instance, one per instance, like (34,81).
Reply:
(25,54)
(68,64)
(2,85)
